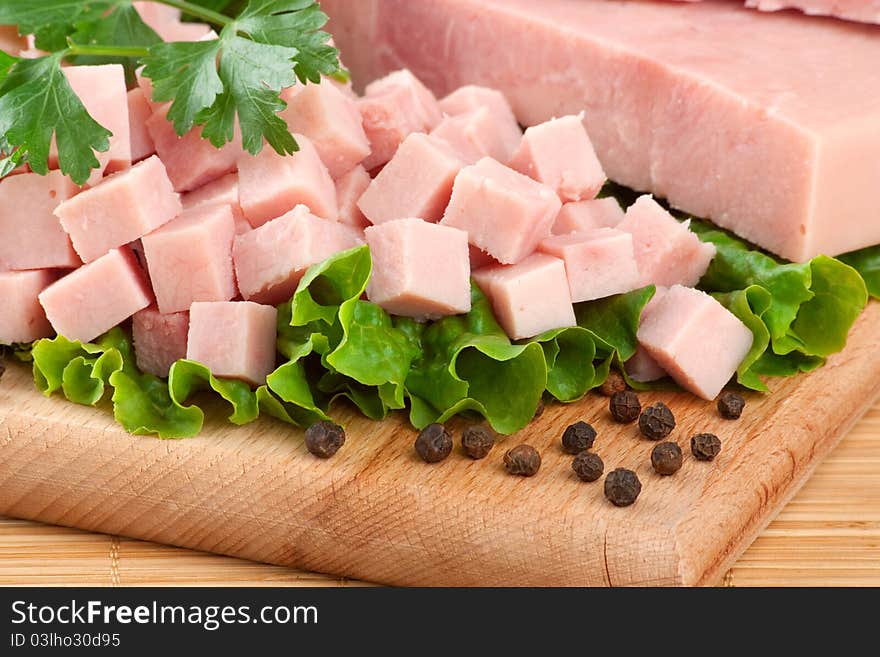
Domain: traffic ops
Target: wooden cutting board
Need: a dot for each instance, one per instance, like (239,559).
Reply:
(376,512)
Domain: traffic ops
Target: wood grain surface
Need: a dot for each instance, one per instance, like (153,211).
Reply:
(376,513)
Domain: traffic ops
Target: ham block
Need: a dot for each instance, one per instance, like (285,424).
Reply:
(695,339)
(23,318)
(270,184)
(332,121)
(479,133)
(270,260)
(420,269)
(349,189)
(598,263)
(159,340)
(417,182)
(192,162)
(93,299)
(863,11)
(530,297)
(233,339)
(559,154)
(190,258)
(641,367)
(773,136)
(479,258)
(122,209)
(31,237)
(223,191)
(587,215)
(504,212)
(667,252)
(139,111)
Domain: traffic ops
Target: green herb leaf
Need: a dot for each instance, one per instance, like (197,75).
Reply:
(52,21)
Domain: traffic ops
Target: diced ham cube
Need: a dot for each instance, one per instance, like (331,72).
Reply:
(191,161)
(159,340)
(585,215)
(504,212)
(666,250)
(641,367)
(122,209)
(426,109)
(479,133)
(559,154)
(223,191)
(190,258)
(31,237)
(10,41)
(695,339)
(332,122)
(420,269)
(145,84)
(93,299)
(270,260)
(864,11)
(479,258)
(166,22)
(233,339)
(470,97)
(417,182)
(139,111)
(23,318)
(349,189)
(530,297)
(598,263)
(270,184)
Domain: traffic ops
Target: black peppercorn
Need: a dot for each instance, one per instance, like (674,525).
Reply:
(588,466)
(434,443)
(622,487)
(323,439)
(539,410)
(625,406)
(577,437)
(477,441)
(656,422)
(614,383)
(666,458)
(730,405)
(522,460)
(705,446)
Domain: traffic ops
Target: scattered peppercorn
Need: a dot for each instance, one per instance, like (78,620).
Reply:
(522,460)
(577,437)
(656,422)
(323,439)
(434,443)
(539,410)
(477,441)
(730,405)
(588,466)
(614,383)
(622,487)
(705,446)
(625,406)
(666,458)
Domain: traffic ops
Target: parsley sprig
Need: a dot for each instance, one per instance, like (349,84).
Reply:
(238,77)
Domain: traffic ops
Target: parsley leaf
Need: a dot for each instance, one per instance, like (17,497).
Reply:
(52,21)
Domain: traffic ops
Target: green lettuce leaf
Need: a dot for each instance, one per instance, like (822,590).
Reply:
(867,263)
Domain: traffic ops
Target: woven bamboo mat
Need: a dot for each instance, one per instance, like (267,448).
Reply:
(828,535)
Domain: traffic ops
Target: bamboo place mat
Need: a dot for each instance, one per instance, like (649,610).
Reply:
(828,535)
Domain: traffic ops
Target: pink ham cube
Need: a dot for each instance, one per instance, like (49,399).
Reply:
(420,269)
(695,339)
(349,189)
(470,97)
(559,154)
(667,252)
(641,367)
(530,297)
(479,133)
(479,258)
(122,209)
(23,318)
(166,22)
(190,258)
(139,111)
(31,237)
(598,263)
(93,299)
(417,182)
(233,339)
(159,340)
(504,212)
(223,191)
(585,215)
(332,122)
(270,184)
(270,260)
